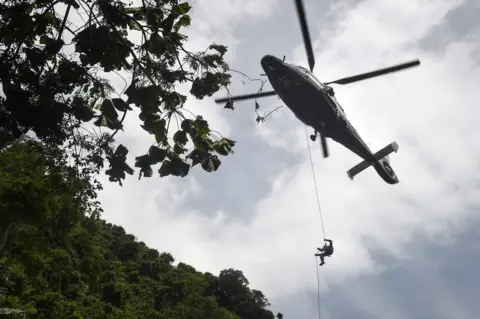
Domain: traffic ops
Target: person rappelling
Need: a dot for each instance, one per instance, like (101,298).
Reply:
(326,250)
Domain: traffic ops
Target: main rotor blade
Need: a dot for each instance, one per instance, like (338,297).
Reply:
(245,97)
(323,141)
(305,33)
(364,76)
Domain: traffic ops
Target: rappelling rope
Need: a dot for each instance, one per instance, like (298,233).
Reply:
(318,289)
(315,181)
(321,219)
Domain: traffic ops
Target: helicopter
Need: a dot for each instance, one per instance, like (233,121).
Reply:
(314,103)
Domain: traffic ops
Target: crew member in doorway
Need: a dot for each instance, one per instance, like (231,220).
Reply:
(326,250)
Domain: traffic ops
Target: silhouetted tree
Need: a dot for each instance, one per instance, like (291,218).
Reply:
(52,57)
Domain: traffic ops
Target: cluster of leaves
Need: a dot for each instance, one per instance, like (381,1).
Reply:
(50,73)
(205,144)
(56,261)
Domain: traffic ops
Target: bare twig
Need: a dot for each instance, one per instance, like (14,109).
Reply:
(268,114)
(245,75)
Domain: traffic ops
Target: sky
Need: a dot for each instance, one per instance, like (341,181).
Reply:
(405,250)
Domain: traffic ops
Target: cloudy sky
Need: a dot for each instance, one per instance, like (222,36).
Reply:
(406,250)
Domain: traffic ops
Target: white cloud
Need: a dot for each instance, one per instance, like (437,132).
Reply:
(432,106)
(444,303)
(431,111)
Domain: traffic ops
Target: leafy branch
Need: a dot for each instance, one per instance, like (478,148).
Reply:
(54,94)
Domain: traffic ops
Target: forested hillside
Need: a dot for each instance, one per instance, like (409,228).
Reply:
(58,259)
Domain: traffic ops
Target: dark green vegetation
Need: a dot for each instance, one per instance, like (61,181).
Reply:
(59,260)
(54,56)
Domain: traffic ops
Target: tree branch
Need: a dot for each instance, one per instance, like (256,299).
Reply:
(134,56)
(64,21)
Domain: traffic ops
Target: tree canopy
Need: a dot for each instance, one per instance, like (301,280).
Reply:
(54,55)
(58,259)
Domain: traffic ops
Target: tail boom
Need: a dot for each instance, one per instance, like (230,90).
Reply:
(381,164)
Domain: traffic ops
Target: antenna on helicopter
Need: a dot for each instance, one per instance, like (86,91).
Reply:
(283,58)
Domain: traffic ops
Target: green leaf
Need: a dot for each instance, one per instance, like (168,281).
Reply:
(201,126)
(167,24)
(120,105)
(156,154)
(153,17)
(230,142)
(121,151)
(165,169)
(108,110)
(197,157)
(71,72)
(179,149)
(81,110)
(211,163)
(224,146)
(212,60)
(100,121)
(148,117)
(113,125)
(179,167)
(52,46)
(181,8)
(202,143)
(160,130)
(128,169)
(146,171)
(142,161)
(181,36)
(219,48)
(118,165)
(184,21)
(156,44)
(133,26)
(210,82)
(180,137)
(187,126)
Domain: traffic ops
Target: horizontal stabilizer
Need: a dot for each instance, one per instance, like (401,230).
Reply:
(360,167)
(387,150)
(384,152)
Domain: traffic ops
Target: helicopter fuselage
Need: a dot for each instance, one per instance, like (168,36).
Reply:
(314,104)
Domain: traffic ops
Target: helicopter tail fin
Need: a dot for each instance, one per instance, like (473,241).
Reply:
(378,156)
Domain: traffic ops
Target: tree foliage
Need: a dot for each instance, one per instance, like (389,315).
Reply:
(52,57)
(58,259)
